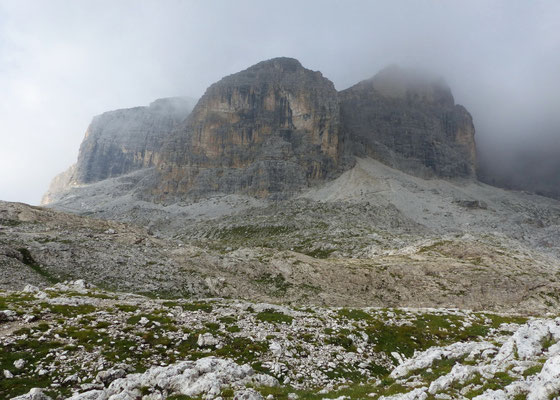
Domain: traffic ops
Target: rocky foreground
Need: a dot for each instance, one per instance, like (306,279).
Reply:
(71,341)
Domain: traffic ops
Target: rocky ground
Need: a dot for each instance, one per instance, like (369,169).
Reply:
(349,290)
(373,237)
(86,343)
(311,253)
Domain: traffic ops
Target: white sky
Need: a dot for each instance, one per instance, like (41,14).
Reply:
(62,62)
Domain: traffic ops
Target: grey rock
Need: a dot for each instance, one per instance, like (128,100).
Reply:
(71,379)
(106,377)
(207,339)
(121,141)
(89,395)
(7,315)
(269,130)
(34,394)
(409,122)
(247,394)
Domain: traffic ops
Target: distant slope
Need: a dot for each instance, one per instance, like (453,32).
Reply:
(375,236)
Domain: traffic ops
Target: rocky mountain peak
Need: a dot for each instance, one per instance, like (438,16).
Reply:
(270,129)
(276,128)
(409,121)
(284,64)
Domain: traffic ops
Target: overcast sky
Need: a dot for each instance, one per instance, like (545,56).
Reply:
(62,62)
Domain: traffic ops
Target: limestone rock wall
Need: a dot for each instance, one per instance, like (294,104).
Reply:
(121,141)
(270,129)
(274,129)
(409,122)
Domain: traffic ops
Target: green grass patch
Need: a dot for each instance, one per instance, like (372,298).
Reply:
(275,317)
(355,314)
(198,306)
(69,311)
(127,307)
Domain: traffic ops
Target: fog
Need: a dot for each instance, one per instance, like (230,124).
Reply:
(62,62)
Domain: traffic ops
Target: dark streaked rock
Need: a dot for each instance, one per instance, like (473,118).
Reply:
(409,122)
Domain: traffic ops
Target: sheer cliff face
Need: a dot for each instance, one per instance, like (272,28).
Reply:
(121,141)
(274,129)
(410,123)
(270,129)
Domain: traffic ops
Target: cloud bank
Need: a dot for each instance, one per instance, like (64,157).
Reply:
(61,62)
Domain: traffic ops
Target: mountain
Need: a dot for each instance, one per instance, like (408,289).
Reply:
(409,122)
(274,129)
(282,240)
(269,130)
(121,141)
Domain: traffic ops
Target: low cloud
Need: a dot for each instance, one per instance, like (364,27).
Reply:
(63,62)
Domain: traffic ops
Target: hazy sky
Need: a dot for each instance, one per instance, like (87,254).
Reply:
(62,62)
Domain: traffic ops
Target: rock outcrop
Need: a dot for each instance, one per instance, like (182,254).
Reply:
(272,130)
(409,122)
(121,141)
(269,130)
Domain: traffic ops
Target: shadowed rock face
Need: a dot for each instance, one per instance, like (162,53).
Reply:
(269,130)
(410,123)
(121,141)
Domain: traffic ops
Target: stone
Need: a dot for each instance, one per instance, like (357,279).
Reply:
(425,359)
(106,377)
(207,339)
(7,315)
(89,395)
(247,394)
(276,348)
(547,381)
(30,318)
(204,376)
(416,394)
(19,364)
(459,374)
(492,395)
(33,394)
(71,379)
(269,130)
(8,374)
(409,122)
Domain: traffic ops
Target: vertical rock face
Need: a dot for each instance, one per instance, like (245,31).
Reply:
(274,129)
(409,122)
(121,141)
(270,129)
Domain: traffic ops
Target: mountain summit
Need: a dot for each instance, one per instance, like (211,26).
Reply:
(274,129)
(269,130)
(409,121)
